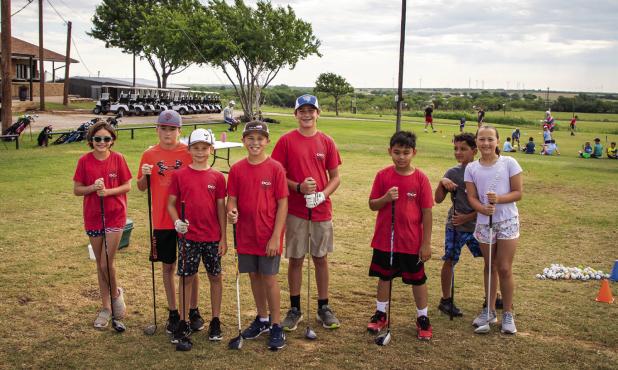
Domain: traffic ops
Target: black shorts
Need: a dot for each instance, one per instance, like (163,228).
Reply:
(165,245)
(208,252)
(408,266)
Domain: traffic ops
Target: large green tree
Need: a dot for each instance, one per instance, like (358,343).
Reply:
(252,44)
(333,85)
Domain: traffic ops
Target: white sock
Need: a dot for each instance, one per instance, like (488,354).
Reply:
(422,312)
(264,319)
(381,306)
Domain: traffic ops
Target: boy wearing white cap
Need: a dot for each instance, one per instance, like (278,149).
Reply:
(311,160)
(228,116)
(201,190)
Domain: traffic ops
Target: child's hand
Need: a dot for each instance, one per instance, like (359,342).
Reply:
(147,169)
(272,248)
(181,226)
(459,219)
(448,184)
(488,209)
(99,186)
(492,197)
(308,186)
(392,194)
(232,216)
(425,252)
(222,247)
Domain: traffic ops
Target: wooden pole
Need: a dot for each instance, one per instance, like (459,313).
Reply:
(67,63)
(402,42)
(41,59)
(7,98)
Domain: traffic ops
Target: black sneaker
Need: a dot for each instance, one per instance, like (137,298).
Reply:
(197,323)
(214,329)
(172,322)
(277,338)
(446,305)
(183,331)
(256,328)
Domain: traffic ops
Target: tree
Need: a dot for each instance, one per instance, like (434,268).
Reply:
(334,85)
(252,45)
(137,27)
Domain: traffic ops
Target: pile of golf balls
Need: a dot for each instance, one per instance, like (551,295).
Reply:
(561,272)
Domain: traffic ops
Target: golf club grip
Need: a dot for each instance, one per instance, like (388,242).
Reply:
(153,250)
(182,211)
(234,235)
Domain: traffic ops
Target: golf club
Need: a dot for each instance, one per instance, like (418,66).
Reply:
(384,339)
(116,324)
(451,312)
(184,344)
(485,328)
(309,333)
(151,329)
(236,343)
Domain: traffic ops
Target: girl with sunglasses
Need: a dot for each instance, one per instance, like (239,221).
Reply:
(104,173)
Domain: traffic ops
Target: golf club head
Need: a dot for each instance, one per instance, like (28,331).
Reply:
(383,339)
(150,330)
(118,326)
(483,329)
(235,343)
(310,334)
(184,345)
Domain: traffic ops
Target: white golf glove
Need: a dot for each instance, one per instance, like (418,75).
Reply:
(314,200)
(181,226)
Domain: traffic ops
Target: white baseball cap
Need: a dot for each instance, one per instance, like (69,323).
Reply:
(202,135)
(232,102)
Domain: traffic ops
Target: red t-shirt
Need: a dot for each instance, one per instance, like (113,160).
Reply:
(414,195)
(165,163)
(304,157)
(115,172)
(200,191)
(257,189)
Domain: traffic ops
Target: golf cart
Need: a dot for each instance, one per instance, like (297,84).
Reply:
(179,101)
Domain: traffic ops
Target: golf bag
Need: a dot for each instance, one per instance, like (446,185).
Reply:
(18,127)
(43,137)
(77,135)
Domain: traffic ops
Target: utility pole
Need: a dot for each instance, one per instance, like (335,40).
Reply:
(7,98)
(67,63)
(41,59)
(133,69)
(402,42)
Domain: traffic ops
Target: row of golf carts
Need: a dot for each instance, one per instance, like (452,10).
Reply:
(122,100)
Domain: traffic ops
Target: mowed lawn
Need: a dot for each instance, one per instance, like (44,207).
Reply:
(49,296)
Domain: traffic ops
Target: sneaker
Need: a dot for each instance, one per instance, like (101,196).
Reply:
(327,318)
(292,318)
(484,317)
(377,322)
(120,309)
(447,306)
(256,328)
(499,303)
(277,338)
(423,328)
(195,319)
(214,329)
(183,331)
(508,323)
(173,320)
(102,319)
(425,130)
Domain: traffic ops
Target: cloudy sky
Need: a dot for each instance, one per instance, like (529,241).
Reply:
(564,45)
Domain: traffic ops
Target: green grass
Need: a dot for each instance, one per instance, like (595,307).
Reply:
(72,106)
(49,294)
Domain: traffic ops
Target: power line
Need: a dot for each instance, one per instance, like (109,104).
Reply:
(23,7)
(61,17)
(198,50)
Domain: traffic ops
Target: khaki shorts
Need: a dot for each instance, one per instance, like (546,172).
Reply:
(296,234)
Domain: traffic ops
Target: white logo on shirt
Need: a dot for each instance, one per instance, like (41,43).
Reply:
(113,175)
(411,195)
(266,183)
(320,156)
(212,187)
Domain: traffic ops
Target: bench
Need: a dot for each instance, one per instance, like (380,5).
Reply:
(16,137)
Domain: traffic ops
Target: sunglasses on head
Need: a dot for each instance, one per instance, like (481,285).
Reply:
(106,139)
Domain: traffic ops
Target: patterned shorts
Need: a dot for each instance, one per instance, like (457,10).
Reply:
(97,233)
(207,251)
(502,230)
(454,242)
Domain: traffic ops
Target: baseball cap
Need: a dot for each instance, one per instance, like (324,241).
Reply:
(306,100)
(201,135)
(232,102)
(169,118)
(255,126)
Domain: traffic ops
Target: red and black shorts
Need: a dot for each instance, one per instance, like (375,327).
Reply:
(408,266)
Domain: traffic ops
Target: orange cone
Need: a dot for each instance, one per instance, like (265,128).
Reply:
(605,293)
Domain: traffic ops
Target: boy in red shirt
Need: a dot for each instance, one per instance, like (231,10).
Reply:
(159,162)
(408,190)
(311,161)
(258,192)
(202,189)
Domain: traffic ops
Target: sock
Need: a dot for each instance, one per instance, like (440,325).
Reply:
(381,306)
(322,302)
(422,312)
(264,319)
(295,301)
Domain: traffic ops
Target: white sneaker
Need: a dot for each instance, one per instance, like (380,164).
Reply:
(508,323)
(120,309)
(484,317)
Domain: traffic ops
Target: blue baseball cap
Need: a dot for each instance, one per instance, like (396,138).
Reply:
(169,118)
(306,100)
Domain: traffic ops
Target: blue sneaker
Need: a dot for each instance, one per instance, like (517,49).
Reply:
(255,329)
(277,338)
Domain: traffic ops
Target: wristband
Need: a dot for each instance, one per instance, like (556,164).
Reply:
(298,188)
